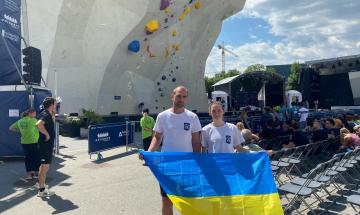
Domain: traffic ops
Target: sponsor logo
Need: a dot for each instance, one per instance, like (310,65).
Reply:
(122,133)
(186,126)
(10,21)
(104,137)
(228,139)
(10,36)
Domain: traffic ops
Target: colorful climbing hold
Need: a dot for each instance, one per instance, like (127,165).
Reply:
(182,17)
(167,10)
(176,47)
(197,5)
(134,46)
(187,10)
(174,33)
(152,26)
(164,4)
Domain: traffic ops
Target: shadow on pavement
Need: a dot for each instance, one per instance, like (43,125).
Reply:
(59,204)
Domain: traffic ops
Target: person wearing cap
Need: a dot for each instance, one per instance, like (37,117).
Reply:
(46,126)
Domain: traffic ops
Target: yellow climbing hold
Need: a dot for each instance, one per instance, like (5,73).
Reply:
(168,10)
(187,10)
(182,17)
(197,5)
(174,33)
(152,26)
(176,47)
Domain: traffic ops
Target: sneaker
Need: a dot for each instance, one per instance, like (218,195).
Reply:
(37,186)
(45,193)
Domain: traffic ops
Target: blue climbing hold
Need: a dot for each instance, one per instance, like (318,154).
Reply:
(134,46)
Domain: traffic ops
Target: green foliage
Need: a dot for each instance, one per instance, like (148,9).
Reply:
(73,120)
(91,118)
(209,81)
(255,67)
(293,79)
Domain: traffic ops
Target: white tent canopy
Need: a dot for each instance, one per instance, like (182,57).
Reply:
(292,96)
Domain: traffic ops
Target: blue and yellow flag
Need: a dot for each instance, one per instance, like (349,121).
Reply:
(217,183)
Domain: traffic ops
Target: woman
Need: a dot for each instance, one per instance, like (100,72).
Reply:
(218,136)
(29,138)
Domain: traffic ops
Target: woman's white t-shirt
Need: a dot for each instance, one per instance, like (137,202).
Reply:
(177,130)
(221,139)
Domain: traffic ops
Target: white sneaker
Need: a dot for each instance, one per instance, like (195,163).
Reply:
(38,187)
(45,193)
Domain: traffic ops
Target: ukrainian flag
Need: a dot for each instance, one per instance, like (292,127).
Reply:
(217,183)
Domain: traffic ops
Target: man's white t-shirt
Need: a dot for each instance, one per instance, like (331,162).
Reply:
(177,130)
(221,139)
(304,113)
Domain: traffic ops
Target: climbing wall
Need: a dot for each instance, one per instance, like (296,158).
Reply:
(116,56)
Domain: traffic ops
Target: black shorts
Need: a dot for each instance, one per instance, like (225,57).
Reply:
(162,192)
(46,149)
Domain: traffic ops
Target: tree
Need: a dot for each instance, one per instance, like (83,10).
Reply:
(293,79)
(255,67)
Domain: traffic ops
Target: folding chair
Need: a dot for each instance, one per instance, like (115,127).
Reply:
(303,191)
(295,159)
(354,200)
(281,165)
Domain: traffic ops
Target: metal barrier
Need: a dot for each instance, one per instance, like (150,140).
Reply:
(133,139)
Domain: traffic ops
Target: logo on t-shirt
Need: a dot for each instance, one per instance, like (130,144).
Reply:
(186,126)
(228,139)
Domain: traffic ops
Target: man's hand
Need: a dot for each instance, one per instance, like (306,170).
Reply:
(47,137)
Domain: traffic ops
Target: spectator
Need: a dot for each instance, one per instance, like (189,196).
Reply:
(343,132)
(249,137)
(240,126)
(288,128)
(338,123)
(277,129)
(266,116)
(299,137)
(244,117)
(303,114)
(319,133)
(147,124)
(352,139)
(349,143)
(283,114)
(309,125)
(268,132)
(293,111)
(357,130)
(332,131)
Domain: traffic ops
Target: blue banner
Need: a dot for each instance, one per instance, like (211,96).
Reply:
(10,31)
(109,136)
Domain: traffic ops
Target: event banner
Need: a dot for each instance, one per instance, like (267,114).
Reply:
(10,31)
(108,136)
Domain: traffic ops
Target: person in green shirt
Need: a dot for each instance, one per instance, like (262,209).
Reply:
(26,126)
(147,124)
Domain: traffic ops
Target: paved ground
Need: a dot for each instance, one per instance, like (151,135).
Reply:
(119,184)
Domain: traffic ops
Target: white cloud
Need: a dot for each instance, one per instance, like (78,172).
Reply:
(313,30)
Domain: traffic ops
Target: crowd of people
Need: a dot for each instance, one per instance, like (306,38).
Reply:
(37,139)
(179,130)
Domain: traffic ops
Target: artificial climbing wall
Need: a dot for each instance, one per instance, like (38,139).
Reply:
(112,55)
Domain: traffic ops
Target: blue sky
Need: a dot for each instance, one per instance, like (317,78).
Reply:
(282,32)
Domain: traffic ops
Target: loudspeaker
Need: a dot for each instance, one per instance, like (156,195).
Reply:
(32,67)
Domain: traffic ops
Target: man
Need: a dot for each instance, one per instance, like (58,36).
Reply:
(46,126)
(303,114)
(299,137)
(147,124)
(179,129)
(331,130)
